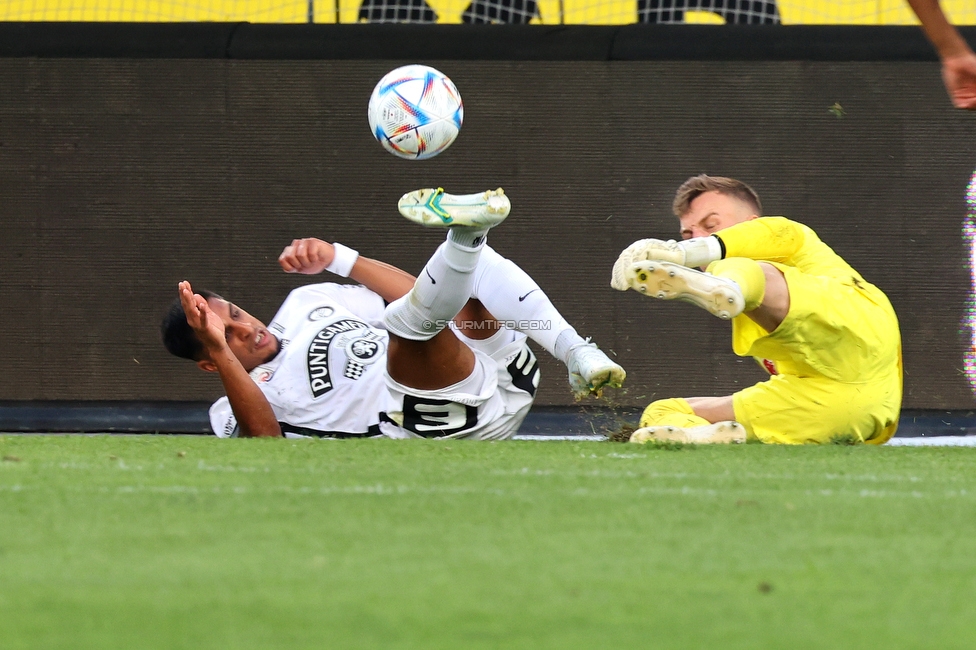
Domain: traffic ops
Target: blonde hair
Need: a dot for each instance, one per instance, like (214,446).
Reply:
(695,186)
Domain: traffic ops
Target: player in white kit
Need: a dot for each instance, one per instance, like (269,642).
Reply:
(443,355)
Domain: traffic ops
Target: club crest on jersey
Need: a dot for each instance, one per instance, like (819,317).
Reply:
(321,313)
(319,380)
(361,351)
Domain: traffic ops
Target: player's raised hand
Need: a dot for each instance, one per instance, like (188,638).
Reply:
(205,323)
(959,75)
(308,256)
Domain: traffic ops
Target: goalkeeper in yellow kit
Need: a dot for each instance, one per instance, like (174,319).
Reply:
(828,338)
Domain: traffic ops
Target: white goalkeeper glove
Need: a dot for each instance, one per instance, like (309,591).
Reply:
(698,251)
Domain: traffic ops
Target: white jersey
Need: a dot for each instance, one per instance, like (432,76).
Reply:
(329,377)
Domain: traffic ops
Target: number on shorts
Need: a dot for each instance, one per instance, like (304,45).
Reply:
(433,418)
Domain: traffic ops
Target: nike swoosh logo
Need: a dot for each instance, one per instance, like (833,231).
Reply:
(432,280)
(521,298)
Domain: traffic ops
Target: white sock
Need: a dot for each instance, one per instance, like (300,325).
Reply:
(468,238)
(441,290)
(567,340)
(511,295)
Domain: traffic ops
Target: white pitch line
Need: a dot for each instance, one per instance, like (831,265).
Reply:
(920,441)
(934,441)
(928,441)
(535,438)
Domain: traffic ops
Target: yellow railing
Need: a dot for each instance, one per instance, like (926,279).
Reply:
(596,12)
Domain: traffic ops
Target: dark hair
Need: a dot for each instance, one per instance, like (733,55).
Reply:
(695,186)
(178,337)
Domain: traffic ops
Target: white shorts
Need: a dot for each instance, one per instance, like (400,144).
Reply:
(489,404)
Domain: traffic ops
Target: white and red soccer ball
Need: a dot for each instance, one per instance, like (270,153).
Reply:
(415,112)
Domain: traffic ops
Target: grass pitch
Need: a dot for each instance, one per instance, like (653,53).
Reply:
(180,542)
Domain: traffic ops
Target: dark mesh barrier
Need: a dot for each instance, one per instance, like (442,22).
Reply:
(120,177)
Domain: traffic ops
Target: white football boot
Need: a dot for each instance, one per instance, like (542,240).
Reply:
(719,296)
(719,433)
(437,209)
(694,252)
(590,370)
(640,251)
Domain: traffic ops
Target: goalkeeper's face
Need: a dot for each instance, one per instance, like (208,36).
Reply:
(713,211)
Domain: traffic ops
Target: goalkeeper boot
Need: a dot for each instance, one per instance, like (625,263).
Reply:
(698,251)
(435,208)
(719,296)
(590,370)
(709,434)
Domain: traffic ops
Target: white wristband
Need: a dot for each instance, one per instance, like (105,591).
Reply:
(701,251)
(345,258)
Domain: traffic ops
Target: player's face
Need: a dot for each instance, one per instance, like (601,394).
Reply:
(714,211)
(247,337)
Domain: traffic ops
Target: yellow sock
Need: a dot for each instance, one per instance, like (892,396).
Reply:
(747,274)
(675,412)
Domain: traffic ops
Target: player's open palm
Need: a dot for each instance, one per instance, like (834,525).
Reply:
(959,74)
(308,256)
(205,323)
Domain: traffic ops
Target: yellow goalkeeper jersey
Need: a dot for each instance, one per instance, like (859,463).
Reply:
(835,358)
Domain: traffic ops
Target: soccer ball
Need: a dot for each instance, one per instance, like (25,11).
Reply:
(415,112)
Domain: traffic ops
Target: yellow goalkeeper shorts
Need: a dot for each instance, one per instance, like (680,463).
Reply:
(837,356)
